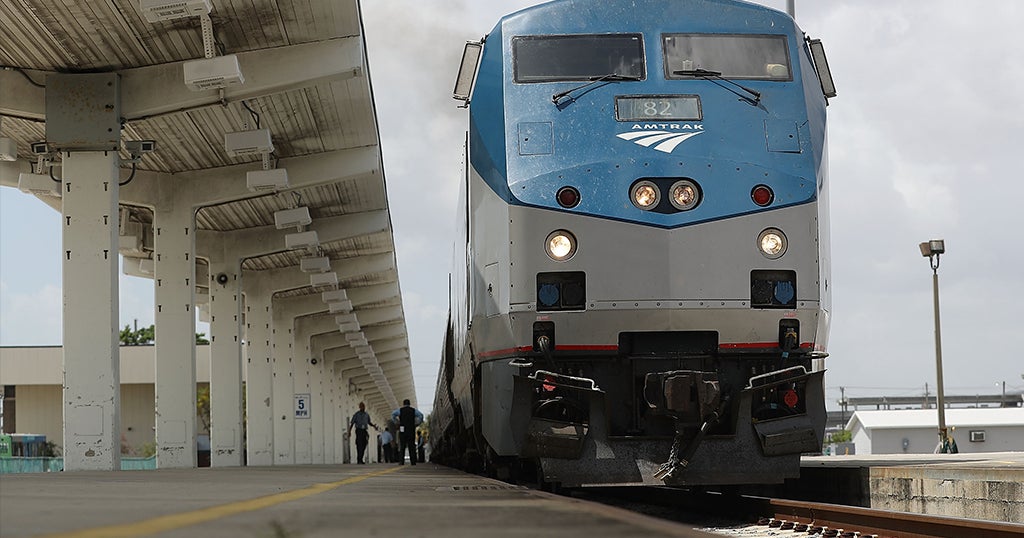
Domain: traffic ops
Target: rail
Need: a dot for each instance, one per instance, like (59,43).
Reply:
(781,517)
(887,523)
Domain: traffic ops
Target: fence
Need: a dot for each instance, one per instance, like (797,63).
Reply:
(53,465)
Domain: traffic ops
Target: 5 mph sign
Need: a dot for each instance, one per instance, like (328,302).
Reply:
(302,406)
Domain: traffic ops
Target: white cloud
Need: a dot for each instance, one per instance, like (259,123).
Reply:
(31,317)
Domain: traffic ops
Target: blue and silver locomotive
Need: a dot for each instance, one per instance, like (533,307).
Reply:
(640,285)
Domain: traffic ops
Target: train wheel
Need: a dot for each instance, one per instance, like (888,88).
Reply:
(473,462)
(542,484)
(500,467)
(550,487)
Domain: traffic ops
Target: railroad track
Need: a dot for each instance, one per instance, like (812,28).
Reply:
(732,515)
(843,521)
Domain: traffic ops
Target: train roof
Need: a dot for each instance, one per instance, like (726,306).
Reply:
(713,12)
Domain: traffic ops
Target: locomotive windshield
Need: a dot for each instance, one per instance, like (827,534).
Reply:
(760,57)
(577,57)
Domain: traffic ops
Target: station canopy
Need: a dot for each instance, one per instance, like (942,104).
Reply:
(303,77)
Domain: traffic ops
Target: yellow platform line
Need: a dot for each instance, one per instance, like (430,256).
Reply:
(185,519)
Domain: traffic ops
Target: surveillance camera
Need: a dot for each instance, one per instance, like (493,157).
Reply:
(40,148)
(222,279)
(138,147)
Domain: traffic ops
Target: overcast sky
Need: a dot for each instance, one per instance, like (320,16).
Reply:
(923,140)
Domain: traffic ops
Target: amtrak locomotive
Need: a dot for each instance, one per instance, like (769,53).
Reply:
(640,285)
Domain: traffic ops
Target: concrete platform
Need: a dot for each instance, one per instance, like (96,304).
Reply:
(976,486)
(305,501)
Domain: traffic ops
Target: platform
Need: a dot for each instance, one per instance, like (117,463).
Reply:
(987,486)
(304,500)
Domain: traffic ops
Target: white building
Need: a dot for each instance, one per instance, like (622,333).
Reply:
(915,431)
(36,374)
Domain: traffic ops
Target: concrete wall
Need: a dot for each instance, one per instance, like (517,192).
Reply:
(37,372)
(40,411)
(45,365)
(994,494)
(138,418)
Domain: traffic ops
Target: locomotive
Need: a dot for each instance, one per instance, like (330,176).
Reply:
(640,281)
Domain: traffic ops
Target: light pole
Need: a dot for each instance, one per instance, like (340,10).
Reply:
(932,250)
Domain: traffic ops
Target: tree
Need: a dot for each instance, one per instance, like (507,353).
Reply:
(841,436)
(203,406)
(147,335)
(139,337)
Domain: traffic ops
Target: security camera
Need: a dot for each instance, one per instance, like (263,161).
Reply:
(222,279)
(40,148)
(138,147)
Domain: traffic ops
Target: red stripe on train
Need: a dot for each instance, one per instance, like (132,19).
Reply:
(598,347)
(758,345)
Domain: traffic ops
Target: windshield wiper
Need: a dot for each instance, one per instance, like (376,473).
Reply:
(716,75)
(611,77)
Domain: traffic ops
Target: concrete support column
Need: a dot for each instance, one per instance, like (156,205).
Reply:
(320,410)
(318,335)
(283,388)
(343,449)
(328,347)
(303,367)
(259,430)
(310,331)
(330,409)
(92,381)
(175,271)
(225,365)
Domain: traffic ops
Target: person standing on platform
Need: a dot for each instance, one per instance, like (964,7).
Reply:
(361,421)
(407,417)
(385,442)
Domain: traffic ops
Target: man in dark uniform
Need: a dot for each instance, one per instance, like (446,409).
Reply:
(361,420)
(407,417)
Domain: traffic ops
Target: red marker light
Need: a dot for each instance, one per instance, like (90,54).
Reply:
(790,398)
(762,195)
(547,386)
(568,197)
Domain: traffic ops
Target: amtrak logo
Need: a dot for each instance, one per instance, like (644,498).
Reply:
(649,134)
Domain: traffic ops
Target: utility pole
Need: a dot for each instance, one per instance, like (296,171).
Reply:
(842,404)
(933,250)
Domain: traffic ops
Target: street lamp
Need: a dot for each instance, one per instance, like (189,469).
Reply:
(932,250)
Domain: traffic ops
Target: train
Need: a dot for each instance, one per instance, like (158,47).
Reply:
(640,288)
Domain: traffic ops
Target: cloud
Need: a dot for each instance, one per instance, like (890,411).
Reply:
(31,318)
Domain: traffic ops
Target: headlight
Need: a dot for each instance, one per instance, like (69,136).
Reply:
(772,243)
(684,195)
(644,195)
(560,245)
